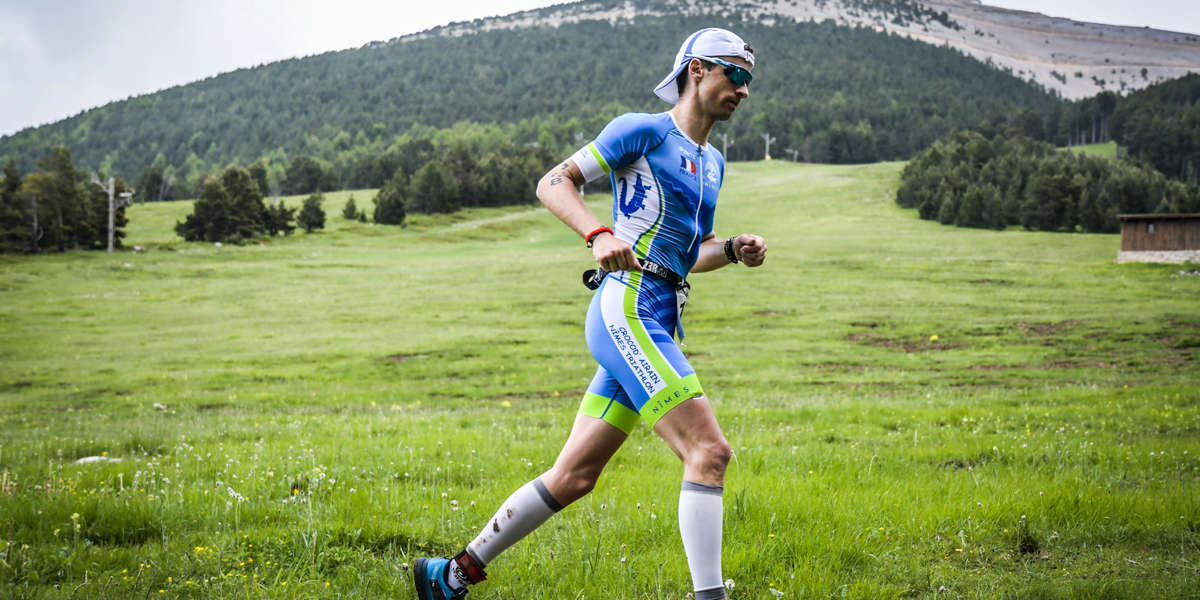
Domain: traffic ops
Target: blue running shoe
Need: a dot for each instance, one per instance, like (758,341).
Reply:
(429,574)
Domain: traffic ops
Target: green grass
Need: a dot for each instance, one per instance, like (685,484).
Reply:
(1105,150)
(341,402)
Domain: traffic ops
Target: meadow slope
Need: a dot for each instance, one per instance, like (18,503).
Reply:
(916,410)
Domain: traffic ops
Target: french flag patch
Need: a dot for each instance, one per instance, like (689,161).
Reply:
(687,165)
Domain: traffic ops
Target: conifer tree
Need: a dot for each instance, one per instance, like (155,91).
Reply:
(391,201)
(350,212)
(14,218)
(279,219)
(312,216)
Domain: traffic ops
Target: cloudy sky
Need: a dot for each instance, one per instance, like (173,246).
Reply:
(60,57)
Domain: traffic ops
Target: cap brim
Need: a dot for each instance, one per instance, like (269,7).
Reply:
(666,89)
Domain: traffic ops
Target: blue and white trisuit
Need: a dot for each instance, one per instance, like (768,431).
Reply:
(665,188)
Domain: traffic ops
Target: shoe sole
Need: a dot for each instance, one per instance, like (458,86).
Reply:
(421,580)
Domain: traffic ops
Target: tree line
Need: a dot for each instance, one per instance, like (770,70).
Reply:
(414,175)
(230,208)
(830,93)
(56,207)
(1161,125)
(970,180)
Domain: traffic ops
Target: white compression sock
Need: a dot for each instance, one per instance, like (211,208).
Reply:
(700,514)
(525,510)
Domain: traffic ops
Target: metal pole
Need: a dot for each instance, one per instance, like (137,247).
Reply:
(111,209)
(108,189)
(725,144)
(768,139)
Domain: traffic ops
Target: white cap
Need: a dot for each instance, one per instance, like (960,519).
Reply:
(712,42)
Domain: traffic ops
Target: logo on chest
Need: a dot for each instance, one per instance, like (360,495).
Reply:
(687,166)
(631,203)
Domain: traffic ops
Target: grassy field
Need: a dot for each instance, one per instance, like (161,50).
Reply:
(1105,150)
(917,411)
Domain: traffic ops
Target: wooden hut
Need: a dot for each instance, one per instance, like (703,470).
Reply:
(1160,238)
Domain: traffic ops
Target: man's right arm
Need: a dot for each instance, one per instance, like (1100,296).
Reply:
(559,191)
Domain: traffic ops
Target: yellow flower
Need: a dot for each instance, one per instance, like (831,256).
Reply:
(933,338)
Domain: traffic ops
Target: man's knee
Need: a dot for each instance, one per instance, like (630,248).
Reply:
(574,484)
(712,457)
(719,454)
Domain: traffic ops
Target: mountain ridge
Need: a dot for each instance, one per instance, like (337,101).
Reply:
(1068,46)
(848,80)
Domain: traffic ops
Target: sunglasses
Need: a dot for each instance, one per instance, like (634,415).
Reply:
(738,74)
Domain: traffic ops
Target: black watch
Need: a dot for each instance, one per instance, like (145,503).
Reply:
(729,251)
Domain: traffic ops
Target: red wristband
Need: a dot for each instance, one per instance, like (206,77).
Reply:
(591,236)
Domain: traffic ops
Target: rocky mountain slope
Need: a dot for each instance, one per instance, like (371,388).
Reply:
(1074,58)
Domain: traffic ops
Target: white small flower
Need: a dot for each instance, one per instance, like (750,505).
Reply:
(729,584)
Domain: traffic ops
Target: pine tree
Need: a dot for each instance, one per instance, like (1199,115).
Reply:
(390,202)
(350,212)
(279,219)
(210,219)
(248,214)
(434,189)
(64,214)
(312,216)
(14,217)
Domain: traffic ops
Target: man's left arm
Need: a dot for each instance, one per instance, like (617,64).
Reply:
(747,248)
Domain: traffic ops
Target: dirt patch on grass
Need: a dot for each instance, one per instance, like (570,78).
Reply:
(965,462)
(836,366)
(990,367)
(909,346)
(1077,364)
(1047,329)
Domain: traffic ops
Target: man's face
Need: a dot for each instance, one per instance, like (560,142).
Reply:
(718,95)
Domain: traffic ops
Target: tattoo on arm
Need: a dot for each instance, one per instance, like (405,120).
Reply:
(557,178)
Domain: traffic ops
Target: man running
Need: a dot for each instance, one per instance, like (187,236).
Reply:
(665,179)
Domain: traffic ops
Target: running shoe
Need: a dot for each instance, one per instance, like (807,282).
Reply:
(429,575)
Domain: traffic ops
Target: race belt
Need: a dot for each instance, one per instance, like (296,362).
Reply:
(593,277)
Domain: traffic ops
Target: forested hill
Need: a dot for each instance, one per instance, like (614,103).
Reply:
(828,92)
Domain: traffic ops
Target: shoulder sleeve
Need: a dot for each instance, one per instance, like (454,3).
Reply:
(621,142)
